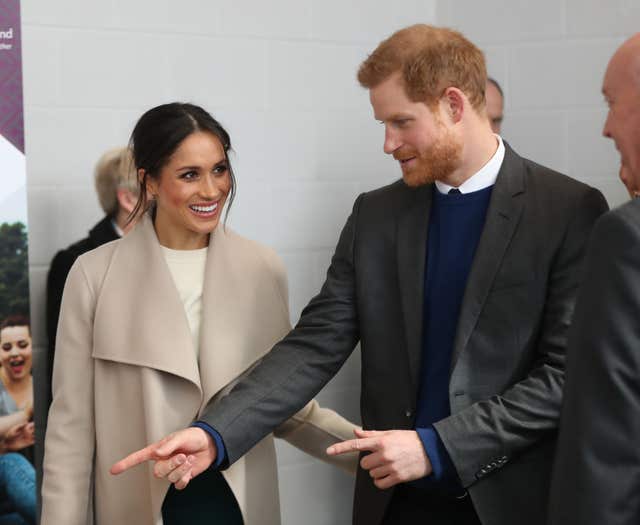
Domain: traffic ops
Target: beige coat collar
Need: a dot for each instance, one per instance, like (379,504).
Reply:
(153,330)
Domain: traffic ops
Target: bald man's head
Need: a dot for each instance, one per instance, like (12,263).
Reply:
(621,89)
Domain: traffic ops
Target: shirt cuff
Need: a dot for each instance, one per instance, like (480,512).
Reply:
(221,461)
(441,464)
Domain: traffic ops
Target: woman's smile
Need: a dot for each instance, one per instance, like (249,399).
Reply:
(191,191)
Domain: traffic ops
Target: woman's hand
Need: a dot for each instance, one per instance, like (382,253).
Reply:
(19,437)
(179,457)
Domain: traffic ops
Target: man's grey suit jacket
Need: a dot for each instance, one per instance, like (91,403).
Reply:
(508,359)
(597,471)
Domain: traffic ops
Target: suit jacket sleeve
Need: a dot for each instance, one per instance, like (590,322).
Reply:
(70,439)
(314,428)
(596,471)
(295,370)
(491,432)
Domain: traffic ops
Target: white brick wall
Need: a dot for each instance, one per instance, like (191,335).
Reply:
(280,75)
(550,57)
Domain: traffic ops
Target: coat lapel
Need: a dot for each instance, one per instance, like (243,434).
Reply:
(503,215)
(244,312)
(149,326)
(413,224)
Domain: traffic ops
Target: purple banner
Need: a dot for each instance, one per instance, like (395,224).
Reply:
(11,114)
(16,386)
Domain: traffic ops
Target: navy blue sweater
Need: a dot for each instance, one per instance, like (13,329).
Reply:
(455,227)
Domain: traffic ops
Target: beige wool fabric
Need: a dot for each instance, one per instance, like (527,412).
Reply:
(126,374)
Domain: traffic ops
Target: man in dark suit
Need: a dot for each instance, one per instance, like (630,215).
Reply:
(459,283)
(116,186)
(595,478)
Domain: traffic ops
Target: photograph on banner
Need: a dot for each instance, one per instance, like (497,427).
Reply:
(17,432)
(16,391)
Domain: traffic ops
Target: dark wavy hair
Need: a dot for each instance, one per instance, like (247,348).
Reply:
(16,320)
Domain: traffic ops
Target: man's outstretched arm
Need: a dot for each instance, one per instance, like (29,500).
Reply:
(287,378)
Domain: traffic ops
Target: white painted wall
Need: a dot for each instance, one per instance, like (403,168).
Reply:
(550,57)
(280,75)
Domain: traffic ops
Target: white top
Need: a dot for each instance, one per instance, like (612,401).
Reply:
(483,178)
(187,269)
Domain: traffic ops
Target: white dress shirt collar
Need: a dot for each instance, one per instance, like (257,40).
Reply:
(117,228)
(483,178)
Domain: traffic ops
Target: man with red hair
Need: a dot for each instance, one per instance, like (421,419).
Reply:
(459,282)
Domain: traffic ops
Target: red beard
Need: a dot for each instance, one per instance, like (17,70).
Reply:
(438,162)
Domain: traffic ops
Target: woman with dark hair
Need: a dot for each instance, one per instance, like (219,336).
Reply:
(16,384)
(159,324)
(16,391)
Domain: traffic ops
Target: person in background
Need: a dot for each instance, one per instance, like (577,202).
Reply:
(14,428)
(117,188)
(16,382)
(17,474)
(158,325)
(17,490)
(629,182)
(459,283)
(595,476)
(495,104)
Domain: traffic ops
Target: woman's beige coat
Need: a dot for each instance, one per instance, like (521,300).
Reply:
(126,374)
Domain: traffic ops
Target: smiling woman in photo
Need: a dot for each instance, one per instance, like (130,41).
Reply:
(16,392)
(158,325)
(17,434)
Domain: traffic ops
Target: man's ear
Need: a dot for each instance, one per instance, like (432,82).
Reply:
(126,200)
(455,103)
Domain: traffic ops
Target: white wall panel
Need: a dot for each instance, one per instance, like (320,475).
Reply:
(550,57)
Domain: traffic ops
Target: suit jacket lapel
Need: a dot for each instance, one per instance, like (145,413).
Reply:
(503,215)
(413,223)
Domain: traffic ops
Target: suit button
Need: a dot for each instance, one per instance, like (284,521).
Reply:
(408,413)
